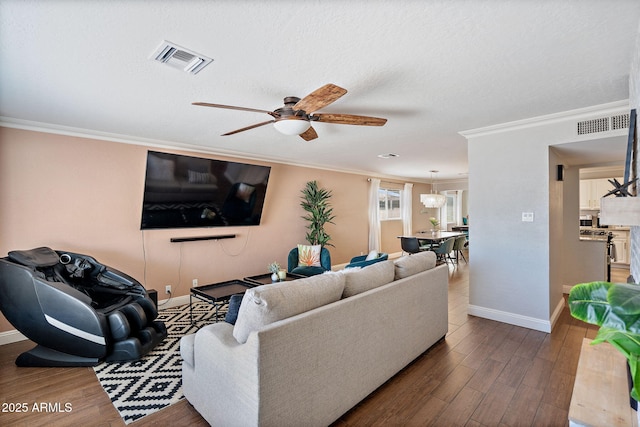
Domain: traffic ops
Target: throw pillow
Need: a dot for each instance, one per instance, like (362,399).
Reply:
(372,255)
(359,280)
(409,265)
(266,304)
(244,192)
(309,256)
(234,307)
(199,177)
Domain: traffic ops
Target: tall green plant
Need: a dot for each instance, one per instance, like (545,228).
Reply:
(616,309)
(315,201)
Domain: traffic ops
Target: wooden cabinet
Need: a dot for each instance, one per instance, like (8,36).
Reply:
(592,190)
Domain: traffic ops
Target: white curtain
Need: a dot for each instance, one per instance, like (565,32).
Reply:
(374,216)
(405,206)
(458,212)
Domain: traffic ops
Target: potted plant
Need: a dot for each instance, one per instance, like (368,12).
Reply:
(274,269)
(616,309)
(434,223)
(315,201)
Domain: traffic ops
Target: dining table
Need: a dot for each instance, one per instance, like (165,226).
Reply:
(436,237)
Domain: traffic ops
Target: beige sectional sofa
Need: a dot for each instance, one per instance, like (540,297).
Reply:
(303,353)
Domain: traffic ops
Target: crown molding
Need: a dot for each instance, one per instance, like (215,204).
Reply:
(34,126)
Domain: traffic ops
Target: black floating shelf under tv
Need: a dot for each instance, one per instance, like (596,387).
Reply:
(195,239)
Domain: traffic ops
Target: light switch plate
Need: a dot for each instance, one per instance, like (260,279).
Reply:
(527,216)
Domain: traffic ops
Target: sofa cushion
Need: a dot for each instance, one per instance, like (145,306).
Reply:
(160,169)
(266,304)
(409,265)
(358,280)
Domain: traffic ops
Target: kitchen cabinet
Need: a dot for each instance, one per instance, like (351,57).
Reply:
(622,245)
(592,190)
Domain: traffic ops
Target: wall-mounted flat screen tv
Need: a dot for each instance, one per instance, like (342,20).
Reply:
(183,192)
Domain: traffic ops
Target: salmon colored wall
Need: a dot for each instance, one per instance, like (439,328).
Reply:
(85,195)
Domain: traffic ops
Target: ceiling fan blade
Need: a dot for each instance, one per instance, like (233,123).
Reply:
(349,119)
(231,107)
(320,98)
(309,134)
(248,127)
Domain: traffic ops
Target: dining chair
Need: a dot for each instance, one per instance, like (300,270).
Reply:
(411,245)
(458,247)
(444,250)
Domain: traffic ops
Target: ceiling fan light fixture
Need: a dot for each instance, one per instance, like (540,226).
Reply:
(292,126)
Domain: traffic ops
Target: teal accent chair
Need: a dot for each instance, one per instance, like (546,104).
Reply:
(361,261)
(292,263)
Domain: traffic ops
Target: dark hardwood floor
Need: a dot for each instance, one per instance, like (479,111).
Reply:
(484,373)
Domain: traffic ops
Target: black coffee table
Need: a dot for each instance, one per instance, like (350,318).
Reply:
(265,279)
(217,294)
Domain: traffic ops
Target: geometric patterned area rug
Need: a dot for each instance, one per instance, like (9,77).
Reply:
(145,386)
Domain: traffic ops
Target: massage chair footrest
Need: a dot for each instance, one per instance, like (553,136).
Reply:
(40,356)
(136,347)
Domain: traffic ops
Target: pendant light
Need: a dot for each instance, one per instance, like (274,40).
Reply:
(433,200)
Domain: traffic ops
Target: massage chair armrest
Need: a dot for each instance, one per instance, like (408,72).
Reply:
(68,321)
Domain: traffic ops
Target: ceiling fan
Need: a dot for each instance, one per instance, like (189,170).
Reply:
(295,117)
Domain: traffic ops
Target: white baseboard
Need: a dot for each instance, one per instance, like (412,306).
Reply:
(173,302)
(510,318)
(556,313)
(12,336)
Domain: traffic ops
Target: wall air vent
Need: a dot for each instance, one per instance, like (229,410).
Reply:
(621,121)
(603,124)
(180,58)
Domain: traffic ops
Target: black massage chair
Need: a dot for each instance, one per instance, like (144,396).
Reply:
(79,312)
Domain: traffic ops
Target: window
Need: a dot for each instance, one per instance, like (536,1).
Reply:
(389,203)
(451,208)
(455,207)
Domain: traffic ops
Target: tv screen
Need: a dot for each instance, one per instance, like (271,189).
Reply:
(183,192)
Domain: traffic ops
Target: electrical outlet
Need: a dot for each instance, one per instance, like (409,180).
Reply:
(167,289)
(194,282)
(527,216)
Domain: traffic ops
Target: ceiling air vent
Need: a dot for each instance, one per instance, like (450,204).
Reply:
(603,124)
(180,58)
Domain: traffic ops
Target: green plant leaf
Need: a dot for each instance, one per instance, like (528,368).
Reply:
(616,309)
(588,302)
(625,299)
(634,367)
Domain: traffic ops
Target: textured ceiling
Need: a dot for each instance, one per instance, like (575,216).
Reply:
(431,68)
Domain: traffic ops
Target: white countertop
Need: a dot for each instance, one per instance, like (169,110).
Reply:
(592,238)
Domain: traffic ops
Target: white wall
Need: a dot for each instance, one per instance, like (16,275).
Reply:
(516,270)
